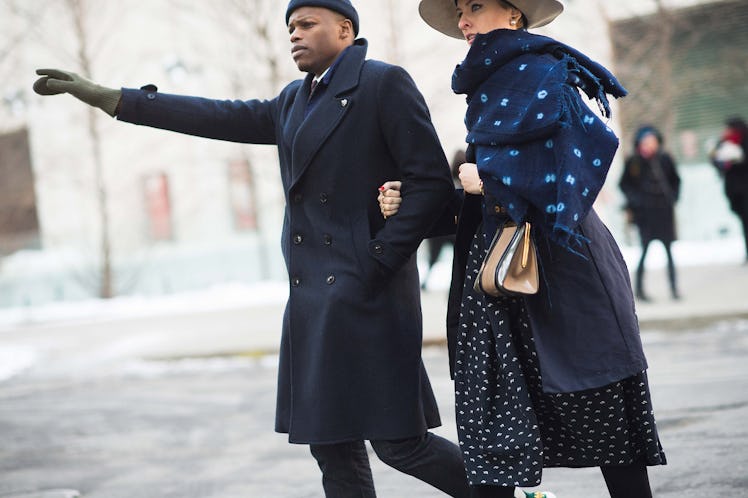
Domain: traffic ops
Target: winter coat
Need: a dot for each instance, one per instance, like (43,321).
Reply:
(651,187)
(350,356)
(583,319)
(736,178)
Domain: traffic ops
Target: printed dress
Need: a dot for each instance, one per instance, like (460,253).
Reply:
(508,428)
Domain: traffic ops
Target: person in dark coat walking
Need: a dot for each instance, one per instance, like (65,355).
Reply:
(350,357)
(730,157)
(436,244)
(558,378)
(651,185)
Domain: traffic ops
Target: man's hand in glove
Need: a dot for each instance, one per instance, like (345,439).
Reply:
(54,81)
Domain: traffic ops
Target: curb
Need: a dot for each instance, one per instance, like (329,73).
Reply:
(52,493)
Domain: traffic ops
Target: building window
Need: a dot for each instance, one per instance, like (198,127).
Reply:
(686,69)
(242,196)
(158,207)
(19,222)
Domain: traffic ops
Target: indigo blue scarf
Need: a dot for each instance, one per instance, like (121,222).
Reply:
(541,152)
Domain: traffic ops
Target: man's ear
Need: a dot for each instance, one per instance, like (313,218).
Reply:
(346,29)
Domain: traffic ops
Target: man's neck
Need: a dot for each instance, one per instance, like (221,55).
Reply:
(322,74)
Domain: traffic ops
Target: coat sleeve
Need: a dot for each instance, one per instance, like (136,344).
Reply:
(446,221)
(672,175)
(251,121)
(427,187)
(629,183)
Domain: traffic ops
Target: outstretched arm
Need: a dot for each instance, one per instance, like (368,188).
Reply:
(250,121)
(56,81)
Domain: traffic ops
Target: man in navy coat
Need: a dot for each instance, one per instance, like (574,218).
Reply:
(350,359)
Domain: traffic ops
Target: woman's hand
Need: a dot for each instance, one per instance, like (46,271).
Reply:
(389,198)
(471,182)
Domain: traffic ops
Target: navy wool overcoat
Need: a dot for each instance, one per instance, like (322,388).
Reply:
(583,319)
(350,359)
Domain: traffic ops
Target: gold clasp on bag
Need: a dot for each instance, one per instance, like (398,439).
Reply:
(526,248)
(510,267)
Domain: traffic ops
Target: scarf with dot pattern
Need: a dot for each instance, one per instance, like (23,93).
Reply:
(540,150)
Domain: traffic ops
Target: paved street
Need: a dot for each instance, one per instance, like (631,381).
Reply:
(149,408)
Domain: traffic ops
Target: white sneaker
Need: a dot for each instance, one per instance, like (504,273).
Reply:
(518,493)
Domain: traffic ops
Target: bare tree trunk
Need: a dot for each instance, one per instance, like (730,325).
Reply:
(106,277)
(261,32)
(666,68)
(393,45)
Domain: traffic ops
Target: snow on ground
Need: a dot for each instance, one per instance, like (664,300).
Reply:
(234,295)
(685,253)
(16,356)
(227,296)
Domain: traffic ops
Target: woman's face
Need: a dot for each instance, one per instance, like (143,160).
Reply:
(477,17)
(648,146)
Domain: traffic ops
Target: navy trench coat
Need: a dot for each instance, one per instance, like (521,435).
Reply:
(350,358)
(583,319)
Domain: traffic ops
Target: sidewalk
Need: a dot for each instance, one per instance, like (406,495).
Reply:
(238,322)
(708,293)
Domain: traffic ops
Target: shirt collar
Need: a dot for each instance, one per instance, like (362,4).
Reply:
(327,74)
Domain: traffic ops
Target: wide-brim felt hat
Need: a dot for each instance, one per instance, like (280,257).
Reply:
(442,14)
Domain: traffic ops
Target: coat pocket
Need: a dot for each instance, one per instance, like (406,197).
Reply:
(372,275)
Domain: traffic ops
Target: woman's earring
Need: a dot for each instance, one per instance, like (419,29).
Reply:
(513,22)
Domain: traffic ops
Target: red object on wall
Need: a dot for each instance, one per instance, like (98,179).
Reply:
(158,206)
(241,196)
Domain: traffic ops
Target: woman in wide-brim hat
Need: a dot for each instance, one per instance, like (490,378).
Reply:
(558,378)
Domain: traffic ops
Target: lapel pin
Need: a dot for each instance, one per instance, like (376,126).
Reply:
(344,102)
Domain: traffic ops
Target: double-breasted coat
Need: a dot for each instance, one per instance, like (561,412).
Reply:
(350,357)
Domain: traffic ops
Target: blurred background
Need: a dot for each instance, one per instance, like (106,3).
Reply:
(92,208)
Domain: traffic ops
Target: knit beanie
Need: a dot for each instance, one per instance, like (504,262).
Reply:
(643,132)
(343,7)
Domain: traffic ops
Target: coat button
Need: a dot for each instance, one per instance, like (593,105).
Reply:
(297,198)
(298,239)
(327,239)
(378,248)
(295,281)
(331,280)
(323,198)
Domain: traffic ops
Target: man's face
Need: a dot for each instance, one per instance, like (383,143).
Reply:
(318,35)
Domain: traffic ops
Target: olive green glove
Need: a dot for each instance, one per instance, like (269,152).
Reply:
(54,81)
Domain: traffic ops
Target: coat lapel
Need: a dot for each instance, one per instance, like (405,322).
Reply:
(296,115)
(313,131)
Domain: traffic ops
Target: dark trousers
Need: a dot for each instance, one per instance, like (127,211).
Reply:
(430,458)
(630,481)
(739,205)
(670,270)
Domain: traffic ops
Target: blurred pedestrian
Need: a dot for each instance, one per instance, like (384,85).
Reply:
(651,185)
(730,157)
(350,357)
(436,244)
(558,378)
